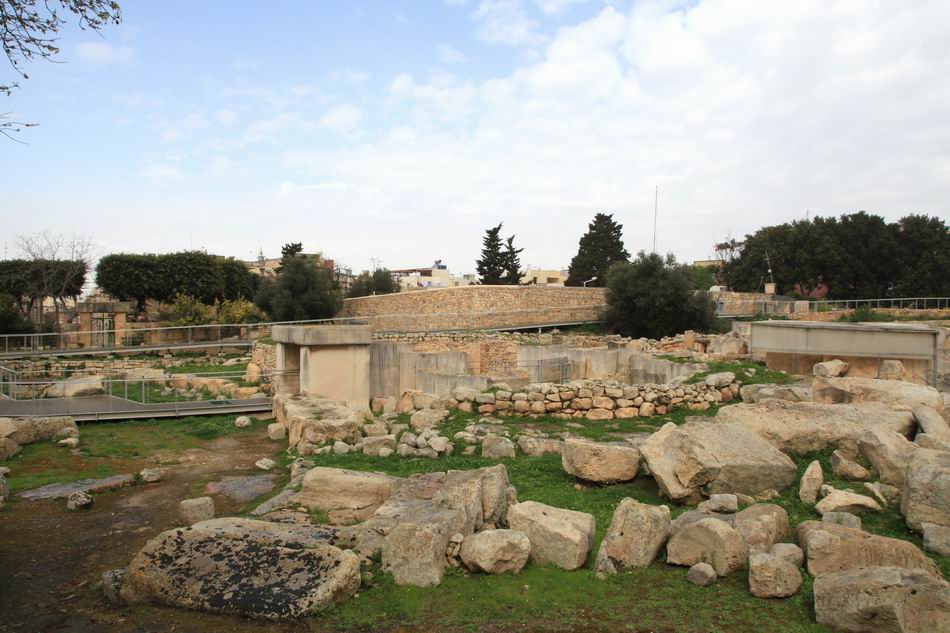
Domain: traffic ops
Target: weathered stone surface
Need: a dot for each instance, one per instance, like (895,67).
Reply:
(8,448)
(76,387)
(375,445)
(893,393)
(719,503)
(760,392)
(772,577)
(842,518)
(558,536)
(427,418)
(635,537)
(496,551)
(24,431)
(800,428)
(892,369)
(112,585)
(69,442)
(242,489)
(722,379)
(242,422)
(79,500)
(762,525)
(883,600)
(92,486)
(242,567)
(790,552)
(345,495)
(709,541)
(846,501)
(314,420)
(414,549)
(830,548)
(4,487)
(845,468)
(535,446)
(497,447)
(931,423)
(196,510)
(702,574)
(936,538)
(714,457)
(276,431)
(151,475)
(926,495)
(889,453)
(811,482)
(599,462)
(830,368)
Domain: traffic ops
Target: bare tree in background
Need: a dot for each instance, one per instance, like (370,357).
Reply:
(29,29)
(60,264)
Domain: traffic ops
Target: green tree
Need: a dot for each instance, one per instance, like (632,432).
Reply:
(193,273)
(378,282)
(512,261)
(869,265)
(700,277)
(491,267)
(302,291)
(187,310)
(598,249)
(923,256)
(653,297)
(289,251)
(239,282)
(130,277)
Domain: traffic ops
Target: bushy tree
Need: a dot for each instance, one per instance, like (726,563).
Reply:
(130,277)
(239,282)
(289,251)
(188,310)
(302,291)
(11,321)
(923,257)
(653,297)
(491,266)
(597,251)
(700,277)
(378,282)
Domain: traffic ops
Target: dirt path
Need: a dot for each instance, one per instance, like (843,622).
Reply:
(51,559)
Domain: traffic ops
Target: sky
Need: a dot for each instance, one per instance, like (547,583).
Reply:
(398,131)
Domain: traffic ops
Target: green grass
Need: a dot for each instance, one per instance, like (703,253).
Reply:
(868,315)
(107,447)
(762,375)
(206,368)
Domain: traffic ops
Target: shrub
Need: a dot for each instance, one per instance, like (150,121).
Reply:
(187,310)
(239,311)
(653,297)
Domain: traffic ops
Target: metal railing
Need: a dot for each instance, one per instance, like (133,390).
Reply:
(792,306)
(111,393)
(243,335)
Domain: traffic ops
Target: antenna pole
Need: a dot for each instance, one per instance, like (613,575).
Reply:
(656,198)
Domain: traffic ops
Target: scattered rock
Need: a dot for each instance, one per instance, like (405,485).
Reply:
(150,475)
(558,536)
(889,453)
(926,495)
(710,541)
(635,537)
(789,552)
(196,510)
(842,518)
(931,423)
(495,551)
(830,368)
(265,464)
(936,538)
(719,503)
(242,422)
(242,488)
(762,525)
(427,418)
(882,600)
(720,380)
(69,442)
(772,577)
(92,486)
(345,495)
(340,448)
(242,567)
(276,431)
(702,574)
(812,480)
(846,468)
(79,500)
(846,501)
(893,393)
(112,585)
(601,463)
(830,548)
(372,445)
(497,447)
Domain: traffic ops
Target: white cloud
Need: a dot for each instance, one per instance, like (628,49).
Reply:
(103,54)
(556,7)
(343,119)
(449,55)
(507,22)
(158,173)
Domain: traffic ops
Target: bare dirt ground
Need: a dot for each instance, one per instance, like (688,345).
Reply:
(51,558)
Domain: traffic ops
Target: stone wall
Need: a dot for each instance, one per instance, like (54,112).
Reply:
(264,355)
(478,307)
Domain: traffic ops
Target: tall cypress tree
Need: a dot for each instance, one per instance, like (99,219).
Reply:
(512,263)
(600,247)
(491,267)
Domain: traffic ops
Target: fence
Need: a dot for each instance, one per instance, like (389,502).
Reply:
(793,306)
(243,335)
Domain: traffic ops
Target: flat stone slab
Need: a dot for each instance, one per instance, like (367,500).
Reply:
(92,486)
(242,489)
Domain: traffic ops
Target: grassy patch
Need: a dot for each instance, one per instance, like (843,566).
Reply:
(107,448)
(759,374)
(205,368)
